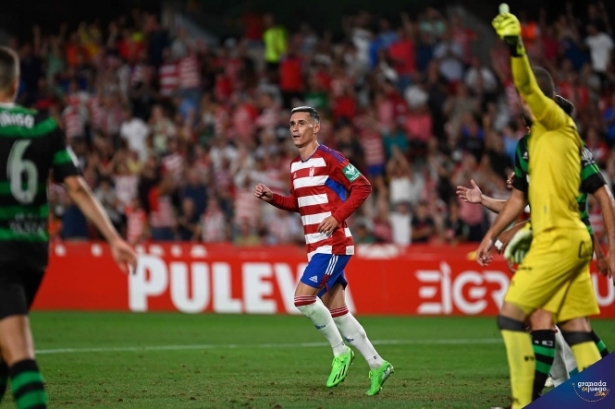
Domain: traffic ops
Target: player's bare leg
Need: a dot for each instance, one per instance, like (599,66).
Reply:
(17,347)
(354,334)
(543,344)
(307,301)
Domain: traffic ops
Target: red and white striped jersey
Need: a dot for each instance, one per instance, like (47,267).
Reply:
(188,72)
(169,79)
(326,184)
(136,222)
(96,112)
(73,127)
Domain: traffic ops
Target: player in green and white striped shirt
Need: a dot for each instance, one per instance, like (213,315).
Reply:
(32,146)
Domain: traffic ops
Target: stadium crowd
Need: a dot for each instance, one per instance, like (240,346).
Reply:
(172,134)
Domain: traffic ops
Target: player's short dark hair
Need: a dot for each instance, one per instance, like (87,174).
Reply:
(9,68)
(564,104)
(545,81)
(313,113)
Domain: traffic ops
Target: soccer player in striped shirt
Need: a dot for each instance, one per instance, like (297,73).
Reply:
(31,146)
(326,189)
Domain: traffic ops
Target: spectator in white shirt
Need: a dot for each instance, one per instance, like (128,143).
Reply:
(600,48)
(135,131)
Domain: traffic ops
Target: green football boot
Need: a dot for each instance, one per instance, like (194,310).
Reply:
(340,365)
(377,377)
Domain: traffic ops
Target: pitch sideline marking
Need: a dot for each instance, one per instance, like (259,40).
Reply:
(466,341)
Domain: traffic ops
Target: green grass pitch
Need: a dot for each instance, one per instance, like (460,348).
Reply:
(115,360)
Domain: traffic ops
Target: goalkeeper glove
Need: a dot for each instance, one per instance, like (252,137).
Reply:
(518,246)
(508,28)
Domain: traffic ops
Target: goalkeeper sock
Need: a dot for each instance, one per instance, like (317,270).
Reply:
(4,379)
(543,344)
(583,347)
(313,308)
(27,385)
(354,333)
(599,344)
(520,360)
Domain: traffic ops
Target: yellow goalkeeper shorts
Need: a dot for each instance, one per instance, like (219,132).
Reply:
(555,276)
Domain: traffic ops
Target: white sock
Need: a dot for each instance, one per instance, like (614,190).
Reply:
(355,335)
(564,362)
(313,308)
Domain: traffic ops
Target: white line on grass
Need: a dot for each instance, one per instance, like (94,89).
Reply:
(257,346)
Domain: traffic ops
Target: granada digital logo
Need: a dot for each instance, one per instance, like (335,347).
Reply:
(591,391)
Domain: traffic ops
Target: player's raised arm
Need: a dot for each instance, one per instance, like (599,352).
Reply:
(535,85)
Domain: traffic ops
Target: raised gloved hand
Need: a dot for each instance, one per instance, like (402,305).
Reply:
(508,28)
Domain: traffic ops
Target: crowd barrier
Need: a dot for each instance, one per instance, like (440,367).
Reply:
(195,278)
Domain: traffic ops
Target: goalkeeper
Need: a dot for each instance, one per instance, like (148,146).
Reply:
(545,337)
(554,275)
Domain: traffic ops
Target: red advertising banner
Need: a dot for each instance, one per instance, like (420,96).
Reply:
(418,280)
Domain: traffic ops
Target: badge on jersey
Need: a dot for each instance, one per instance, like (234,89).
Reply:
(312,171)
(351,172)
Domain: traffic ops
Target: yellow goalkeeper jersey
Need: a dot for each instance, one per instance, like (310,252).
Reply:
(555,162)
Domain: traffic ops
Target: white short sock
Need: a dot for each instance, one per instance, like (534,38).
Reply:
(355,335)
(313,308)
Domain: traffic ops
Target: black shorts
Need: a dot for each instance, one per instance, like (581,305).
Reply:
(18,287)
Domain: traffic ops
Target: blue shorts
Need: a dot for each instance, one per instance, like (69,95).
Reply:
(324,271)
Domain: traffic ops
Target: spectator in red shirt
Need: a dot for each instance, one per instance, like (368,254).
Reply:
(291,80)
(403,56)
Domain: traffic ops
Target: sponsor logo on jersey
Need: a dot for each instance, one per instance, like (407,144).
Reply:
(351,172)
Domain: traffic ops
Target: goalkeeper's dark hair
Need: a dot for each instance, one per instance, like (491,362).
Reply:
(9,68)
(564,104)
(313,113)
(545,81)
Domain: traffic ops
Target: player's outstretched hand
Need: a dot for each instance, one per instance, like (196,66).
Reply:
(124,255)
(328,225)
(470,195)
(263,192)
(483,254)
